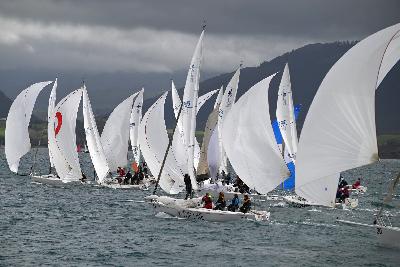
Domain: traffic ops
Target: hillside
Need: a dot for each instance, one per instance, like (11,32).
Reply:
(308,66)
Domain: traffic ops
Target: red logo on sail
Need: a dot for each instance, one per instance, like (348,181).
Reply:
(59,123)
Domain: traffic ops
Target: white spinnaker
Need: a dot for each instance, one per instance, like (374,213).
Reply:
(17,142)
(339,132)
(189,110)
(285,115)
(62,139)
(115,135)
(219,97)
(50,113)
(250,143)
(153,140)
(226,104)
(93,141)
(136,116)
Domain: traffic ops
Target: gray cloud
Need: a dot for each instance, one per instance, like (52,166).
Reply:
(159,36)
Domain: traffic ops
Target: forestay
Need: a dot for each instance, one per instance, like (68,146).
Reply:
(136,116)
(17,142)
(62,139)
(115,135)
(189,110)
(285,116)
(249,140)
(226,104)
(93,141)
(339,131)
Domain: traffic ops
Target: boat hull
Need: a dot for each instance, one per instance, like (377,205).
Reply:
(388,236)
(202,214)
(51,179)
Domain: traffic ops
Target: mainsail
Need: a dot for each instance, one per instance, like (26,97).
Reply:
(189,110)
(136,116)
(339,132)
(93,141)
(50,112)
(62,139)
(285,116)
(115,135)
(17,142)
(249,140)
(226,104)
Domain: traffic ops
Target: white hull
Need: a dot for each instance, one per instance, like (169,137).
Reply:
(51,179)
(174,208)
(298,202)
(387,236)
(126,186)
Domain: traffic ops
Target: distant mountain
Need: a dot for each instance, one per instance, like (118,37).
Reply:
(308,66)
(5,104)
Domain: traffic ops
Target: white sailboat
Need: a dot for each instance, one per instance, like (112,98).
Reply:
(339,132)
(136,116)
(17,141)
(93,141)
(62,141)
(228,99)
(249,141)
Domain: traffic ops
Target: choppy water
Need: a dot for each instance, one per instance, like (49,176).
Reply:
(93,226)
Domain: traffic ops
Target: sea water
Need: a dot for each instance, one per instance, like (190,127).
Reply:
(86,225)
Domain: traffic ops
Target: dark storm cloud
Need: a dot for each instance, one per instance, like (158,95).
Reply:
(143,36)
(312,18)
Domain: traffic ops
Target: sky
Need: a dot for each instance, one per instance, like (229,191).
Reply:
(148,37)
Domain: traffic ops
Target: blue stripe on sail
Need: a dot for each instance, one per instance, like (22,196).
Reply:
(289,183)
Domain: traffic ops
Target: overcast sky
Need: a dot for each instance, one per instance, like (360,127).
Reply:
(148,36)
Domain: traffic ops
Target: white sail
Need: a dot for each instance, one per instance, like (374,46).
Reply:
(189,110)
(250,143)
(136,116)
(153,140)
(115,135)
(17,142)
(285,115)
(219,97)
(62,139)
(203,99)
(339,132)
(213,154)
(93,141)
(50,112)
(226,104)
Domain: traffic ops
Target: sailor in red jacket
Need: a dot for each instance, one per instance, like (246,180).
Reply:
(207,201)
(357,184)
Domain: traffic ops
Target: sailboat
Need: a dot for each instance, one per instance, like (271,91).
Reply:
(17,141)
(62,141)
(339,132)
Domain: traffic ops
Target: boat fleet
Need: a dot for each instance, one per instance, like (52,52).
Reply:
(339,133)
